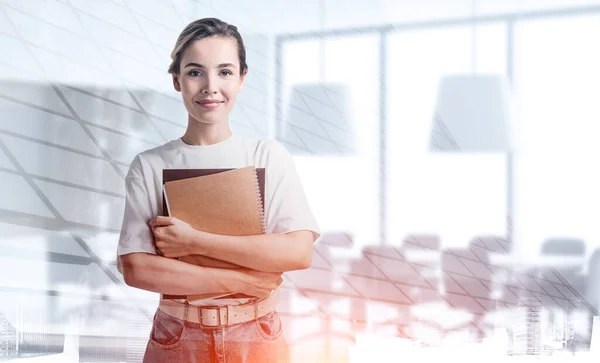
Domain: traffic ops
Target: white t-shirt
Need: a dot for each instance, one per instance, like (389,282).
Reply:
(286,207)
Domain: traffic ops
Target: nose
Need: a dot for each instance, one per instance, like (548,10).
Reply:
(210,87)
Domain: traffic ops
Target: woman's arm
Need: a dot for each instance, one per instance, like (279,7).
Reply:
(173,277)
(267,252)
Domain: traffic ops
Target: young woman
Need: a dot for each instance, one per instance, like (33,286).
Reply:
(208,69)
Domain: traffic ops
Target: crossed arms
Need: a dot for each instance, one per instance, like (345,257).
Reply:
(263,259)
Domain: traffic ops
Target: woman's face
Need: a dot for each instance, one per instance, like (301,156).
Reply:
(209,79)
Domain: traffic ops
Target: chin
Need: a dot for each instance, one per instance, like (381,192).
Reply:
(207,119)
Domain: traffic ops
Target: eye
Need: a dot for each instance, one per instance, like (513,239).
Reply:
(226,72)
(194,73)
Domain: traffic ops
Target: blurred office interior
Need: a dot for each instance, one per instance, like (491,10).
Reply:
(447,149)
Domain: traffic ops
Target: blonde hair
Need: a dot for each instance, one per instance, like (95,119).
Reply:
(203,28)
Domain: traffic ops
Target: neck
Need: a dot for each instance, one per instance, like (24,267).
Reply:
(199,133)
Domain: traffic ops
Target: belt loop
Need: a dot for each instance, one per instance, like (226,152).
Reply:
(186,310)
(256,310)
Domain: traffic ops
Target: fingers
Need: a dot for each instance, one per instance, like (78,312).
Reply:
(162,232)
(159,247)
(161,221)
(158,239)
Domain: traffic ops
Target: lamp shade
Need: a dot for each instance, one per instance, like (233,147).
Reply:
(472,114)
(318,120)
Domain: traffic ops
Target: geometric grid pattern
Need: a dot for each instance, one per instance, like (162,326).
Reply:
(318,120)
(415,290)
(441,138)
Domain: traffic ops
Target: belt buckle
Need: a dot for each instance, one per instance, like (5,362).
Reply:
(218,309)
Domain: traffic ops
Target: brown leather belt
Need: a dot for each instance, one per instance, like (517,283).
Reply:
(218,316)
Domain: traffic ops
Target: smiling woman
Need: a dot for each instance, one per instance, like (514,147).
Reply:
(209,87)
(209,69)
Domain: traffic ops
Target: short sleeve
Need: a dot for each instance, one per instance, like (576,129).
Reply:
(287,208)
(136,235)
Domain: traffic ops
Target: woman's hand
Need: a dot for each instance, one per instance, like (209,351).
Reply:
(257,283)
(172,237)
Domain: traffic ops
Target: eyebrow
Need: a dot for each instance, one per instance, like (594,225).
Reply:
(222,65)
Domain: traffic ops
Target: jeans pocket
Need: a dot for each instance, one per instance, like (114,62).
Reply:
(269,325)
(167,332)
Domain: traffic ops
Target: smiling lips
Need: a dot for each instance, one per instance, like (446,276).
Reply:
(209,103)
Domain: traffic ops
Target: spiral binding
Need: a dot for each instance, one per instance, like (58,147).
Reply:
(261,210)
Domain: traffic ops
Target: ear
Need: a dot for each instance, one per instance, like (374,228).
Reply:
(176,84)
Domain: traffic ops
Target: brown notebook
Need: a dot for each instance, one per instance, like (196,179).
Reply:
(220,201)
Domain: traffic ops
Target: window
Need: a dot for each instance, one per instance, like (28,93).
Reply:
(347,200)
(456,196)
(558,82)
